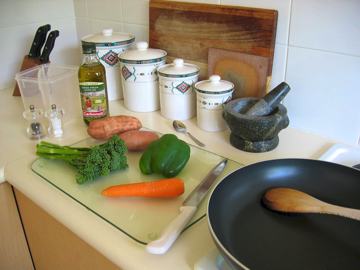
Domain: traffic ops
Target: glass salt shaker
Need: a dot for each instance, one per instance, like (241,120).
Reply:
(55,116)
(35,130)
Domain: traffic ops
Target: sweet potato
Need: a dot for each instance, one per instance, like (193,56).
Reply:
(138,140)
(103,129)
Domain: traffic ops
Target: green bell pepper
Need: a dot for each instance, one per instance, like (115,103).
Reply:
(167,156)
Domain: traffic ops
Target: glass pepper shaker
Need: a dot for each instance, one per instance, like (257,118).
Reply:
(35,130)
(55,116)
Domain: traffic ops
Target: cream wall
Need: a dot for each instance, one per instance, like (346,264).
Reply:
(317,49)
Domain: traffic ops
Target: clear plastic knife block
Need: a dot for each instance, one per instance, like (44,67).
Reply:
(48,84)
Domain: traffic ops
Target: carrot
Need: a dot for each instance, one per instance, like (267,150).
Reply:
(162,188)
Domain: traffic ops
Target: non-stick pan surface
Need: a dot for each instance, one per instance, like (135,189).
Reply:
(250,235)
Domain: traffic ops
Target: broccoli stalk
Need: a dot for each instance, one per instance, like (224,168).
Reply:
(90,162)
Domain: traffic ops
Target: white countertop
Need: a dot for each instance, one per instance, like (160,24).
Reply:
(17,153)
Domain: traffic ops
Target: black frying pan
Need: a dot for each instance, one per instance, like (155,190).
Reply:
(250,236)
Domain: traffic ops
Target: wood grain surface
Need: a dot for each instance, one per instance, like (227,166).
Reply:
(27,63)
(247,72)
(188,30)
(14,251)
(53,246)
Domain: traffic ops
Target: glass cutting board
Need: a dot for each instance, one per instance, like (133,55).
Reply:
(142,219)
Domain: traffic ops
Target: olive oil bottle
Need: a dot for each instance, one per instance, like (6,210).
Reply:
(92,82)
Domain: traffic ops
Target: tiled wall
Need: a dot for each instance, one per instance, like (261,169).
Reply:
(317,52)
(127,16)
(317,49)
(18,23)
(323,67)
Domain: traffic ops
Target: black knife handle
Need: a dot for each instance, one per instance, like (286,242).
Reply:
(49,45)
(39,40)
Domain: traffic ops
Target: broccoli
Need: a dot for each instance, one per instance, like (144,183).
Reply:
(90,162)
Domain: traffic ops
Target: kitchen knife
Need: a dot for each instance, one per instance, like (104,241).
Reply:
(32,59)
(187,211)
(49,45)
(39,40)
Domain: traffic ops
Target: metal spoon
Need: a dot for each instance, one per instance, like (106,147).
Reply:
(180,127)
(294,201)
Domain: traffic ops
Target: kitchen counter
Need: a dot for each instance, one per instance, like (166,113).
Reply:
(18,154)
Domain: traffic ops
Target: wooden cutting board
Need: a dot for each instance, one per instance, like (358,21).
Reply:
(188,30)
(248,73)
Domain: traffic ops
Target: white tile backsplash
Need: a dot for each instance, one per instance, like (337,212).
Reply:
(141,32)
(98,25)
(283,8)
(66,49)
(14,47)
(19,39)
(13,13)
(324,96)
(330,25)
(83,27)
(317,49)
(105,10)
(19,21)
(80,8)
(279,65)
(136,11)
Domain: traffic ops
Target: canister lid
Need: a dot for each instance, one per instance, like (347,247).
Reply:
(178,69)
(214,86)
(141,53)
(109,38)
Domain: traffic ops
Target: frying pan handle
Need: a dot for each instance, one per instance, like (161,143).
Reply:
(172,231)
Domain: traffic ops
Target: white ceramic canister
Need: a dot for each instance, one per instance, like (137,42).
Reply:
(211,95)
(177,95)
(139,77)
(108,45)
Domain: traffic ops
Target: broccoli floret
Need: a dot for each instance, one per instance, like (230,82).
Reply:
(90,162)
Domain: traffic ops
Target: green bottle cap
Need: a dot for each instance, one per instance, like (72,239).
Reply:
(88,48)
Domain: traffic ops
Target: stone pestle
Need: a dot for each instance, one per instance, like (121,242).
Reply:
(270,101)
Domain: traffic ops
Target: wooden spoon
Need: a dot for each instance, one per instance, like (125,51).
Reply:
(294,201)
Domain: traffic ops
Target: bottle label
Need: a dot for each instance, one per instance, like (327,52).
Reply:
(93,99)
